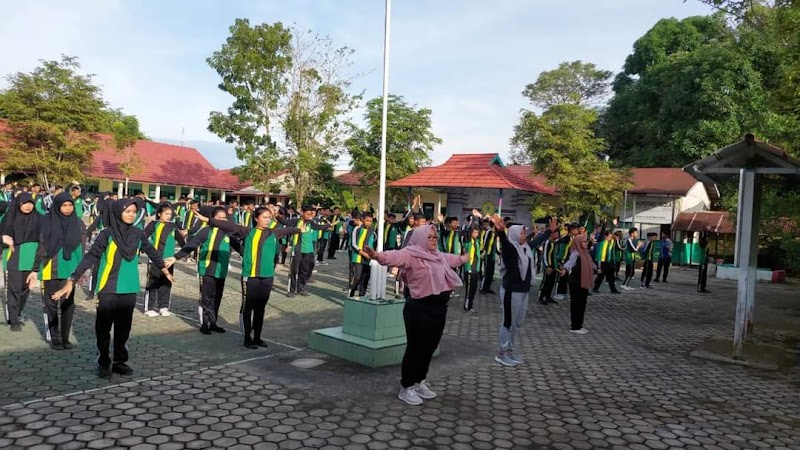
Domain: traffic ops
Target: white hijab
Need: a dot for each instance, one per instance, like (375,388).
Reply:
(524,253)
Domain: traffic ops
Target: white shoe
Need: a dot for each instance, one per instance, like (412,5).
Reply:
(151,313)
(165,312)
(424,390)
(581,331)
(558,297)
(410,396)
(513,358)
(503,359)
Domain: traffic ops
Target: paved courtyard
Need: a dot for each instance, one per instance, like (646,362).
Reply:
(628,384)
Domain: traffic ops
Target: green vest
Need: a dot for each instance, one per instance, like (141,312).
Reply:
(58,268)
(450,242)
(214,255)
(259,254)
(115,275)
(472,248)
(307,237)
(365,238)
(21,258)
(163,239)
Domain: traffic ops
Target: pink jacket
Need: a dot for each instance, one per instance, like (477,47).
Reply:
(421,278)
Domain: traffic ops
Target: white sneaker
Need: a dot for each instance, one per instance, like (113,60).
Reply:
(581,331)
(558,297)
(513,358)
(165,312)
(151,313)
(503,359)
(424,390)
(410,396)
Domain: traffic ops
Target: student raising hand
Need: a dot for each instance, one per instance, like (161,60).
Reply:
(498,222)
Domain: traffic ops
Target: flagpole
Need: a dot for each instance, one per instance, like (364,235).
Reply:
(378,286)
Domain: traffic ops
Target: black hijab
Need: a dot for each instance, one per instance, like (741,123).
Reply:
(22,227)
(60,231)
(125,235)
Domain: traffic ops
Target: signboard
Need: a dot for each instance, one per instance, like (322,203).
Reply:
(488,208)
(652,210)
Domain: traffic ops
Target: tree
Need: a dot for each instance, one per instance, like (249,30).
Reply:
(290,95)
(52,116)
(312,113)
(562,145)
(253,64)
(409,141)
(576,83)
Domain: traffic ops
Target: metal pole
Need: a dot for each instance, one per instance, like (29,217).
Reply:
(624,207)
(378,279)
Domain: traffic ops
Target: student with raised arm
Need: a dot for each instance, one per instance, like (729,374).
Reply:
(116,251)
(260,244)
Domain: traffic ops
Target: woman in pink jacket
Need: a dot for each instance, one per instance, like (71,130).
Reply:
(430,279)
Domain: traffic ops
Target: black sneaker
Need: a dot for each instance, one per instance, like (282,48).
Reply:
(616,292)
(104,372)
(16,327)
(542,301)
(122,369)
(303,293)
(68,345)
(204,329)
(290,294)
(551,301)
(250,345)
(261,343)
(216,328)
(56,346)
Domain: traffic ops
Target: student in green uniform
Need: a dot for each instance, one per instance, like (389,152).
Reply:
(38,198)
(77,201)
(489,254)
(303,247)
(21,227)
(550,267)
(145,208)
(472,268)
(163,235)
(116,251)
(60,251)
(336,224)
(605,258)
(363,237)
(648,255)
(323,236)
(258,269)
(213,256)
(631,254)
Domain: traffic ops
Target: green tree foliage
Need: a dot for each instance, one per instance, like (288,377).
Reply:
(52,117)
(290,96)
(253,64)
(576,83)
(696,85)
(409,141)
(561,144)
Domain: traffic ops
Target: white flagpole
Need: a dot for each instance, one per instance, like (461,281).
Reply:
(379,274)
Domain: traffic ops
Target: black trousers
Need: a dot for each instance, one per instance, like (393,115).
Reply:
(93,280)
(488,275)
(113,311)
(322,244)
(470,288)
(548,281)
(424,320)
(617,267)
(210,298)
(284,252)
(562,285)
(300,272)
(158,289)
(702,275)
(255,296)
(360,279)
(607,272)
(647,273)
(577,304)
(333,245)
(57,328)
(663,264)
(17,293)
(630,272)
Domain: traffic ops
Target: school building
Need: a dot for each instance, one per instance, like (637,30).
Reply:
(484,181)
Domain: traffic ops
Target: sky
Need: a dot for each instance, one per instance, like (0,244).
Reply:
(466,60)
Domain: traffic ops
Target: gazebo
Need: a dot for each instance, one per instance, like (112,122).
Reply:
(753,162)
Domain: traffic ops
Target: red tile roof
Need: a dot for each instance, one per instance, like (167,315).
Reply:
(474,170)
(350,179)
(162,163)
(713,221)
(661,181)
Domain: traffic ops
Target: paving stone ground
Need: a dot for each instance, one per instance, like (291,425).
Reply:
(628,384)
